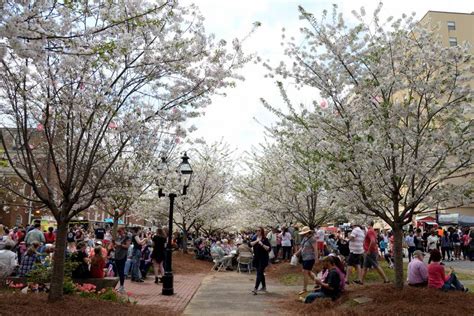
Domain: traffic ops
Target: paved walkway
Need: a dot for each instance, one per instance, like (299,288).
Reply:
(149,293)
(228,293)
(464,266)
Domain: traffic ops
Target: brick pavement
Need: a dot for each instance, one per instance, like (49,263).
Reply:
(149,293)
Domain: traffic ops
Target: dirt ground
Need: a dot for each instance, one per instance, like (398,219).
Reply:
(386,299)
(186,264)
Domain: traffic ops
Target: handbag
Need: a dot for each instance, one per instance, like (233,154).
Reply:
(294,260)
(271,255)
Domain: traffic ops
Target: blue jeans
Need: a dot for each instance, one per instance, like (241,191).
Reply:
(453,284)
(312,296)
(128,265)
(136,256)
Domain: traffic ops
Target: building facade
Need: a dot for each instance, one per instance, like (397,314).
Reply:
(454,28)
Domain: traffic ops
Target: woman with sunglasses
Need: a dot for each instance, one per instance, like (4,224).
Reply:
(261,248)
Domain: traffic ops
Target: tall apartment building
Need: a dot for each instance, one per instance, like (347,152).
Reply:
(455,28)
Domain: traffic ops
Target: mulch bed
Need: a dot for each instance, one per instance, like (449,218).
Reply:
(36,304)
(186,264)
(386,300)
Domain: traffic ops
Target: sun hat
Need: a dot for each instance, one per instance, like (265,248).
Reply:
(418,252)
(305,230)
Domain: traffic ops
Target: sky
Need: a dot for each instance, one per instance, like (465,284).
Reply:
(239,117)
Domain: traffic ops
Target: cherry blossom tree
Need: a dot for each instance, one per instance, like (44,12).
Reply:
(131,179)
(396,130)
(217,216)
(81,80)
(287,180)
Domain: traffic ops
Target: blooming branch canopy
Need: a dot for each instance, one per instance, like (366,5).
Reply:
(399,141)
(97,76)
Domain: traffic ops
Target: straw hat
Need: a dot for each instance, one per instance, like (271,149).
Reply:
(305,230)
(418,252)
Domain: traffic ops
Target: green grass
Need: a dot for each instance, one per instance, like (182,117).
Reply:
(464,276)
(291,279)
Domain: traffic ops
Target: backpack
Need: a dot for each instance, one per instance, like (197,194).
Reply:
(70,236)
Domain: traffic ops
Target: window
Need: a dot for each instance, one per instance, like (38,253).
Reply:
(453,41)
(451,25)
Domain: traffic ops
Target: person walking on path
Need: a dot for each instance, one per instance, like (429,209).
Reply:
(261,248)
(356,252)
(308,253)
(371,253)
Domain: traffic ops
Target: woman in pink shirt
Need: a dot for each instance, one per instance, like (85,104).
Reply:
(438,279)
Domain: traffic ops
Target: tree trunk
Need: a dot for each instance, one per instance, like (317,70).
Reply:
(57,277)
(185,241)
(115,227)
(398,255)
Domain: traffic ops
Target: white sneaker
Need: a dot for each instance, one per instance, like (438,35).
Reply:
(121,289)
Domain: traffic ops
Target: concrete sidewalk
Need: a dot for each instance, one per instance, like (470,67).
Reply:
(229,293)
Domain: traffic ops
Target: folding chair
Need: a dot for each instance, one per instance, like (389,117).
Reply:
(246,260)
(218,262)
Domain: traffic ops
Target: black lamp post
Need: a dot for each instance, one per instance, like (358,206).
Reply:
(185,171)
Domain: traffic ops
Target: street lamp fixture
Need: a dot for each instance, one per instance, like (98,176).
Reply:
(185,173)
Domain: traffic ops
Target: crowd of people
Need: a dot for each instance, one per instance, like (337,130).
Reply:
(335,255)
(95,252)
(338,255)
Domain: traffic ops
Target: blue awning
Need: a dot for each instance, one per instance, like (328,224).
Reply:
(466,220)
(111,220)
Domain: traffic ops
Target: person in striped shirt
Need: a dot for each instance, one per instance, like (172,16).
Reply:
(356,252)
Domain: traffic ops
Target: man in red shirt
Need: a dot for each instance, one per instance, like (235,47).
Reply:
(371,253)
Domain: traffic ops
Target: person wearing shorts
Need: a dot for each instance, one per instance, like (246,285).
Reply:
(355,260)
(308,254)
(356,252)
(371,253)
